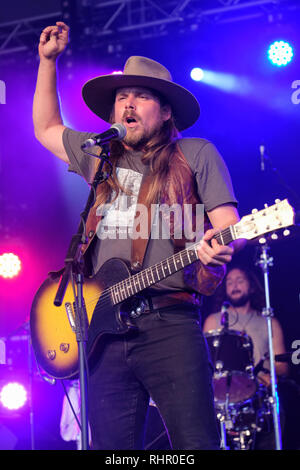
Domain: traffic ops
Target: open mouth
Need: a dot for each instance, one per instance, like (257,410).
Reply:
(131,122)
(235,292)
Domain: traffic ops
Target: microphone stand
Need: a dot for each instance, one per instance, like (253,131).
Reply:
(265,161)
(73,269)
(225,419)
(31,412)
(264,262)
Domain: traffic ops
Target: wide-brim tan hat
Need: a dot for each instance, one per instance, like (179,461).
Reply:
(99,93)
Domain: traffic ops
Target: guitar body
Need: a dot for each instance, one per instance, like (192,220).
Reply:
(53,339)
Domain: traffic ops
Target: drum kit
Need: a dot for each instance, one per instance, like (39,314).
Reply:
(243,406)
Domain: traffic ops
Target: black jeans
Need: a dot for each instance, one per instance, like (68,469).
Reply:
(166,359)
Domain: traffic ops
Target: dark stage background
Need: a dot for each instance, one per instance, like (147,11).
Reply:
(40,202)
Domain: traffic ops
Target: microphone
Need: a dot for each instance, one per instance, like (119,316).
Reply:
(115,132)
(224,315)
(262,157)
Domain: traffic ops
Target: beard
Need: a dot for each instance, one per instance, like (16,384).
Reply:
(138,138)
(239,301)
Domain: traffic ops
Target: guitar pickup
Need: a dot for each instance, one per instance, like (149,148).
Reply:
(70,315)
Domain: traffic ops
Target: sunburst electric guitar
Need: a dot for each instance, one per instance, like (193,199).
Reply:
(108,294)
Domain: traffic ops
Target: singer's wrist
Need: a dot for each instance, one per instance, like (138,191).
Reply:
(48,62)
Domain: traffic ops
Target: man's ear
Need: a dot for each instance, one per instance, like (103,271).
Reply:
(166,112)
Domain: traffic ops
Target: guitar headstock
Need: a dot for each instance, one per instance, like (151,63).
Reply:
(276,217)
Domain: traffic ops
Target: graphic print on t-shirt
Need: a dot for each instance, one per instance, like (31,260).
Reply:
(118,216)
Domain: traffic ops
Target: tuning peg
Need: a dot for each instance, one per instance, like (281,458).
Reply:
(262,240)
(286,233)
(254,211)
(266,206)
(274,236)
(277,201)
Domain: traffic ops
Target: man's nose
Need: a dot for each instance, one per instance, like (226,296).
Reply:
(130,102)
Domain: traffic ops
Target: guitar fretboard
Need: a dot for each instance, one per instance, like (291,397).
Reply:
(156,273)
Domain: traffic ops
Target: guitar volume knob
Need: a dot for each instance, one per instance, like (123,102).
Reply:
(64,347)
(51,354)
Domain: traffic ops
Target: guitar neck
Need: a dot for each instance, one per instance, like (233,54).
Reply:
(156,273)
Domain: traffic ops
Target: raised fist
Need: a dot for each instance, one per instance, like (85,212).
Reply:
(53,40)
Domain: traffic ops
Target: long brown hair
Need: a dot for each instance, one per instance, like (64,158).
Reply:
(156,154)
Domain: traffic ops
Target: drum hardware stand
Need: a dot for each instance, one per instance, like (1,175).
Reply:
(264,262)
(31,412)
(223,426)
(73,269)
(225,419)
(243,441)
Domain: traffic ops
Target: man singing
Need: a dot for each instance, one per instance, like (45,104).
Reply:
(165,358)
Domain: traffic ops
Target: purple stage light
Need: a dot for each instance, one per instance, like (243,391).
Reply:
(13,396)
(10,265)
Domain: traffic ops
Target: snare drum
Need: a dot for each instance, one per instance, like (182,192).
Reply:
(232,356)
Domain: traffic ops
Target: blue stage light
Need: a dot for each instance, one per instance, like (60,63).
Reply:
(280,53)
(197,74)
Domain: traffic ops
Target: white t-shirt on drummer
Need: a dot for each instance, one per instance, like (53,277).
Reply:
(254,325)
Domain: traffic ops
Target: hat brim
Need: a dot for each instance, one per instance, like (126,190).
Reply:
(99,95)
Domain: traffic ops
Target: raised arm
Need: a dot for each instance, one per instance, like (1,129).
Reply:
(47,120)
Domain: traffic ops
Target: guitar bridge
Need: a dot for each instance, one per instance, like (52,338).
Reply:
(137,307)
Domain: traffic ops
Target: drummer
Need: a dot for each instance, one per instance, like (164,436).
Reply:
(245,295)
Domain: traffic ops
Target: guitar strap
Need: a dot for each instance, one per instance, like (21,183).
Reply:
(141,225)
(139,243)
